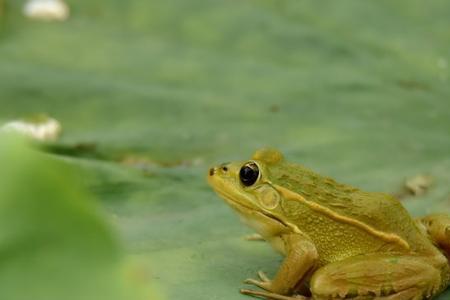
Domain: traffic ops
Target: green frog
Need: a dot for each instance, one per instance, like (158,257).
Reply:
(338,242)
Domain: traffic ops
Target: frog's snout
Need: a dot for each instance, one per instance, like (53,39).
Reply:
(222,169)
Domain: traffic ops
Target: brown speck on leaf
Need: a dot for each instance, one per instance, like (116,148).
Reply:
(413,85)
(274,108)
(145,162)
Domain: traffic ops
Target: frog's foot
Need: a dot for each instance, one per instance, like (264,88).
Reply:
(254,237)
(413,294)
(273,296)
(437,227)
(263,283)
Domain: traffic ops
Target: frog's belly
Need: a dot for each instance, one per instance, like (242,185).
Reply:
(341,242)
(336,246)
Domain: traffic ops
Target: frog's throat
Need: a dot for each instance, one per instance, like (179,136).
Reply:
(388,237)
(242,207)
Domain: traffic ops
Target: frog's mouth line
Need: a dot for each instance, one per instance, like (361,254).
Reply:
(232,202)
(239,205)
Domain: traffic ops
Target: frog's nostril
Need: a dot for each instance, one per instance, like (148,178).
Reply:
(211,171)
(224,167)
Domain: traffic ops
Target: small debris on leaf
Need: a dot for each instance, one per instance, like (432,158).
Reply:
(418,185)
(415,186)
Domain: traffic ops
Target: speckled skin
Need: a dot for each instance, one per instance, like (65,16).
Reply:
(339,242)
(336,240)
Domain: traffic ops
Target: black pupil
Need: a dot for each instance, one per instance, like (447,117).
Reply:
(249,174)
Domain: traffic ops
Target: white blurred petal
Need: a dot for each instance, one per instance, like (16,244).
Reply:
(47,10)
(43,131)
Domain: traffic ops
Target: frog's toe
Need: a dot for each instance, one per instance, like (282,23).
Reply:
(264,282)
(262,275)
(254,237)
(265,285)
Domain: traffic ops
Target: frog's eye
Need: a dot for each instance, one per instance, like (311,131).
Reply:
(249,173)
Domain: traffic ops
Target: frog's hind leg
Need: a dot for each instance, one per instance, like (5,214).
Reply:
(377,277)
(437,227)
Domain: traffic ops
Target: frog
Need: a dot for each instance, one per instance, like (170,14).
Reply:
(338,242)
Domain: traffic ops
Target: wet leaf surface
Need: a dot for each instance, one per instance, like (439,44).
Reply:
(160,90)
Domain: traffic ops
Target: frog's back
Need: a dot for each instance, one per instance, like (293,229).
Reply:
(376,221)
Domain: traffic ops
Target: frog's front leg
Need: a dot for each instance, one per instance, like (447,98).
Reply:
(377,276)
(301,257)
(437,226)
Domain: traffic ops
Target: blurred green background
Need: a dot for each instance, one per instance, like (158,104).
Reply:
(150,93)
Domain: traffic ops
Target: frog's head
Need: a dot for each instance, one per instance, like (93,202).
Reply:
(246,185)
